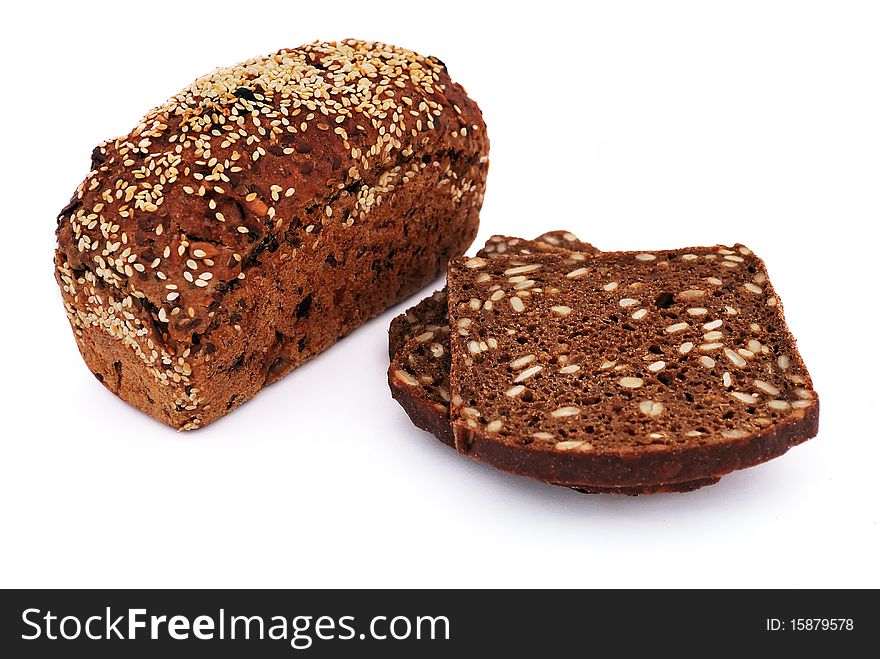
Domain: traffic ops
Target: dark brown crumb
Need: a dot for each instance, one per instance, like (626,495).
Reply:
(626,369)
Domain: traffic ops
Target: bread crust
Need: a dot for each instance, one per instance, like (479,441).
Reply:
(438,424)
(638,469)
(235,234)
(420,412)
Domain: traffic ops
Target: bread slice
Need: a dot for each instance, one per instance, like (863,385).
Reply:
(419,345)
(418,339)
(432,310)
(626,369)
(419,380)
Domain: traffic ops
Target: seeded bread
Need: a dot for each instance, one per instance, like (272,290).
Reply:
(419,371)
(262,213)
(625,369)
(419,381)
(418,341)
(432,310)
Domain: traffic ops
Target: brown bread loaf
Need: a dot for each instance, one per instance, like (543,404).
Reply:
(262,213)
(626,369)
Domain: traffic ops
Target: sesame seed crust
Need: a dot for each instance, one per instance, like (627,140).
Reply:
(319,159)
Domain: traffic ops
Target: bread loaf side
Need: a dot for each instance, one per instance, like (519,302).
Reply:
(262,213)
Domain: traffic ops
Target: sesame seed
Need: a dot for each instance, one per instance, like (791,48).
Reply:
(677,327)
(734,358)
(522,269)
(475,262)
(522,361)
(767,388)
(743,397)
(631,383)
(527,373)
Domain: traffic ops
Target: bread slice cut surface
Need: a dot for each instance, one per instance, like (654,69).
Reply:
(433,310)
(625,369)
(418,339)
(419,347)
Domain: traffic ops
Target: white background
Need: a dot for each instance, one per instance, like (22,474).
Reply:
(636,125)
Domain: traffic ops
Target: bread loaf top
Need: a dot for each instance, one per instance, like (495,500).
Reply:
(185,207)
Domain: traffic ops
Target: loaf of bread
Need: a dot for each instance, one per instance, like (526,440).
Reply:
(262,213)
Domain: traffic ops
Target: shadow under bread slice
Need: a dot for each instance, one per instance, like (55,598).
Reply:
(411,323)
(625,369)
